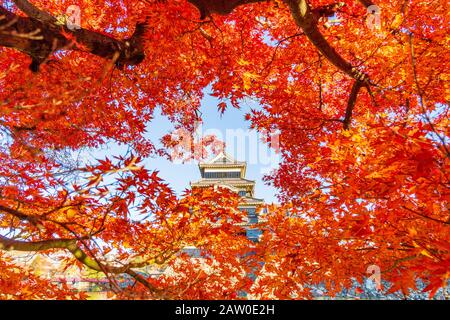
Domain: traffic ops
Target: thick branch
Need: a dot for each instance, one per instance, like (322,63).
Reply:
(34,12)
(304,17)
(69,244)
(9,244)
(79,254)
(39,38)
(207,7)
(327,10)
(20,215)
(351,103)
(366,3)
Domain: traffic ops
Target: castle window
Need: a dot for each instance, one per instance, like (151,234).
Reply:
(221,175)
(252,219)
(253,234)
(251,215)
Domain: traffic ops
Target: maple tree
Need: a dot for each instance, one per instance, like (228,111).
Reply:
(362,113)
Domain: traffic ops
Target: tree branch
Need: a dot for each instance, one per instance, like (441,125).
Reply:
(427,217)
(69,244)
(422,98)
(10,244)
(351,103)
(34,12)
(327,10)
(79,254)
(304,18)
(48,37)
(20,215)
(207,7)
(367,3)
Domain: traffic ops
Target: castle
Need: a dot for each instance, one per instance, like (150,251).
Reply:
(224,171)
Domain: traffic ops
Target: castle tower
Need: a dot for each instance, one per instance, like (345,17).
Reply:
(226,172)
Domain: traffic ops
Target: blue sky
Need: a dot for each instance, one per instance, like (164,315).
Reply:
(260,159)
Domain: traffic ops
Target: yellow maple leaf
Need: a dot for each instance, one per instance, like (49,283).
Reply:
(425,253)
(398,20)
(243,62)
(247,79)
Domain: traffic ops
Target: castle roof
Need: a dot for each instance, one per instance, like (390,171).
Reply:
(229,181)
(219,171)
(223,160)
